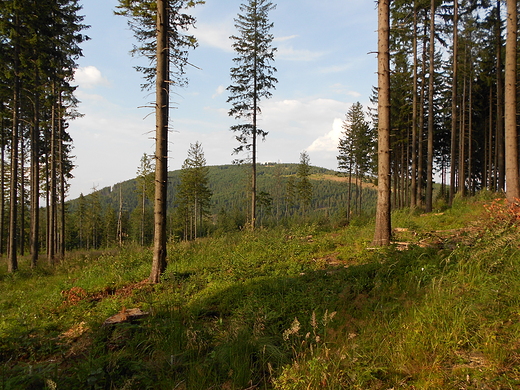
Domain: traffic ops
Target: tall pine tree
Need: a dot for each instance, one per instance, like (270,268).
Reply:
(252,79)
(160,27)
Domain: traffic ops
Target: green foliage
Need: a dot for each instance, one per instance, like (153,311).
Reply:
(193,194)
(357,146)
(142,21)
(304,186)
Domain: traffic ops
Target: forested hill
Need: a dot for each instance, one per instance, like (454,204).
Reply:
(229,185)
(278,197)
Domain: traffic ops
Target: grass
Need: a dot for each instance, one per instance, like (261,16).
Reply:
(302,308)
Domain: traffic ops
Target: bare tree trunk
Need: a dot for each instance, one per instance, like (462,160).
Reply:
(161,142)
(453,147)
(420,165)
(500,109)
(35,182)
(413,184)
(470,132)
(349,198)
(51,234)
(462,143)
(61,155)
(21,241)
(511,145)
(12,262)
(2,190)
(382,233)
(429,164)
(489,149)
(253,164)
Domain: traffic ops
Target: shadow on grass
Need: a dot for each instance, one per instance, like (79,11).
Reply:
(231,335)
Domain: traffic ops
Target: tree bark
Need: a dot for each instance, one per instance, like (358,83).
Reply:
(382,233)
(462,141)
(500,109)
(454,81)
(51,233)
(12,261)
(35,180)
(161,143)
(255,108)
(511,137)
(2,189)
(61,154)
(429,164)
(413,184)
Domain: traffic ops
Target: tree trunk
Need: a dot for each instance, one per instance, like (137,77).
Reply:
(21,240)
(462,143)
(253,172)
(429,164)
(2,189)
(349,197)
(420,157)
(453,146)
(470,132)
(61,155)
(35,181)
(500,109)
(413,184)
(12,262)
(511,145)
(383,218)
(51,234)
(161,142)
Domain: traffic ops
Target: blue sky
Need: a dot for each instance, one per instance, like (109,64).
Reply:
(325,62)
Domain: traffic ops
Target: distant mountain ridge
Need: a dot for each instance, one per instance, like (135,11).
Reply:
(229,184)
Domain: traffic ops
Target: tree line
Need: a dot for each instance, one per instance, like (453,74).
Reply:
(39,45)
(448,116)
(205,200)
(447,98)
(446,102)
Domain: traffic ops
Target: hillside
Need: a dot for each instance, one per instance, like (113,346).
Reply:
(229,184)
(299,308)
(93,220)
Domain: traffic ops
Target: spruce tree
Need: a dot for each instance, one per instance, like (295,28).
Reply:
(303,185)
(356,147)
(144,184)
(252,79)
(160,27)
(194,195)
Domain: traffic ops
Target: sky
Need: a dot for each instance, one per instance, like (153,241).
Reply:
(325,62)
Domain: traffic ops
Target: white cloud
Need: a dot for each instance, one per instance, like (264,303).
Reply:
(287,38)
(344,90)
(289,53)
(89,77)
(329,141)
(220,90)
(215,35)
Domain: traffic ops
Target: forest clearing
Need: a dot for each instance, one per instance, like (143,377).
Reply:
(279,308)
(397,267)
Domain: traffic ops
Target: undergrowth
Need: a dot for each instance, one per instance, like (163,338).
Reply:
(300,308)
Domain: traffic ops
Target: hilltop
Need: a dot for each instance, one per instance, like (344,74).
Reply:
(229,184)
